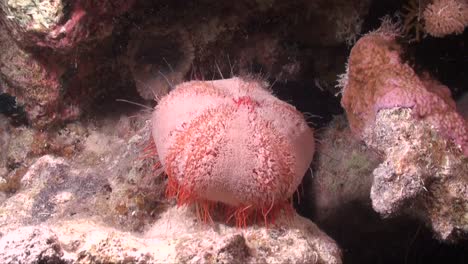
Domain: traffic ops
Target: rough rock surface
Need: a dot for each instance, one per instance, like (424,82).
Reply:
(423,174)
(25,77)
(53,88)
(31,245)
(55,56)
(60,25)
(413,121)
(105,204)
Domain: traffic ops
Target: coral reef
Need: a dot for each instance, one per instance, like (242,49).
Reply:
(53,88)
(422,174)
(231,141)
(28,79)
(174,238)
(126,126)
(56,56)
(31,245)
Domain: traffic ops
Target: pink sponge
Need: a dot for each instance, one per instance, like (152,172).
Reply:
(231,142)
(378,79)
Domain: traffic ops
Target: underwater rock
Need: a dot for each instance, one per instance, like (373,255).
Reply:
(60,25)
(423,174)
(34,85)
(52,88)
(414,123)
(107,205)
(31,245)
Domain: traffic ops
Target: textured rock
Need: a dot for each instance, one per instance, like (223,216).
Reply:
(60,25)
(176,237)
(54,58)
(413,121)
(53,88)
(5,136)
(14,157)
(107,205)
(4,142)
(423,174)
(31,245)
(295,241)
(26,77)
(22,139)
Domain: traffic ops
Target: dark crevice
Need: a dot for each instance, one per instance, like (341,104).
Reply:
(10,108)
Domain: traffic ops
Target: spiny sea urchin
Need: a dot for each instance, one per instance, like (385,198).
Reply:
(232,143)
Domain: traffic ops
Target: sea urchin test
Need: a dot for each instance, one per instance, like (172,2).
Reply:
(231,143)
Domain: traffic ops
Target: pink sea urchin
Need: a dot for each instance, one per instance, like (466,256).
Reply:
(231,142)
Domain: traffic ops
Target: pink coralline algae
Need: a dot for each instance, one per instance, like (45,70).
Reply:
(231,143)
(88,20)
(378,79)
